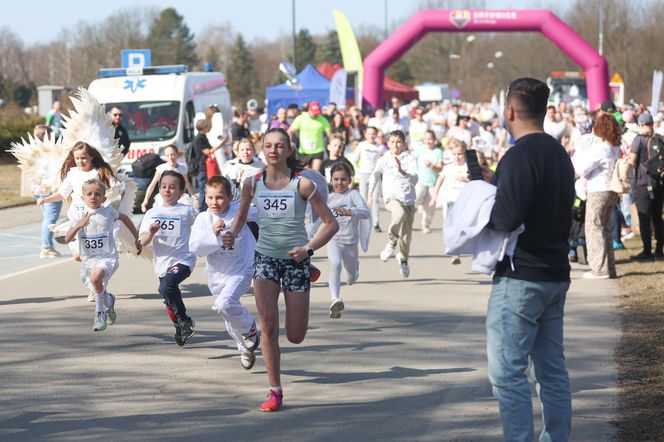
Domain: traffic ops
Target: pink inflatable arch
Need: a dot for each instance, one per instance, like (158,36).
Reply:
(544,21)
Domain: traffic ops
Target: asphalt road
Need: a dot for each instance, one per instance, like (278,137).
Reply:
(406,361)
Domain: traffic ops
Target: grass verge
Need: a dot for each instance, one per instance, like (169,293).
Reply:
(10,185)
(640,354)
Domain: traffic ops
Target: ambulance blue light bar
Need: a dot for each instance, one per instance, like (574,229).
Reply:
(155,70)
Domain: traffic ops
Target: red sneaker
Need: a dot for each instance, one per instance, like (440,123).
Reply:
(274,400)
(314,273)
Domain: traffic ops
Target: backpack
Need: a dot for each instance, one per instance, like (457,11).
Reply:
(621,178)
(655,164)
(193,162)
(145,166)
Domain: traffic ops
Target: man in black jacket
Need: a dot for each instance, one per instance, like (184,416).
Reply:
(120,133)
(648,193)
(535,187)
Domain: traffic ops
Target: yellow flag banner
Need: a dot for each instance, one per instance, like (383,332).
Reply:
(350,51)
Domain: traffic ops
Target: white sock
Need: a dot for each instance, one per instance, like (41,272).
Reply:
(99,300)
(276,388)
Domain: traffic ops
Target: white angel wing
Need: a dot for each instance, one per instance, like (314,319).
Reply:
(89,122)
(41,160)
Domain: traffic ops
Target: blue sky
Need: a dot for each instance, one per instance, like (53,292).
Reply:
(254,18)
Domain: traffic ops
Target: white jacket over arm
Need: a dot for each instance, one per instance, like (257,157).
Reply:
(465,230)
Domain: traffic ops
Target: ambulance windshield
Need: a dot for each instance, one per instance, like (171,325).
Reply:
(149,120)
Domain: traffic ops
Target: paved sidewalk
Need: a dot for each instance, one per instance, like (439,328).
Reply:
(405,362)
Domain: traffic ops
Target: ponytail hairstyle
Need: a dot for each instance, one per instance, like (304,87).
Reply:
(293,162)
(98,163)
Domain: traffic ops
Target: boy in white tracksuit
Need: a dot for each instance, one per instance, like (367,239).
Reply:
(399,174)
(229,270)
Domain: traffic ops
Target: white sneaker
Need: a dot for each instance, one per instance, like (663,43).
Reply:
(404,269)
(91,297)
(101,319)
(49,252)
(110,308)
(336,308)
(426,229)
(456,260)
(387,252)
(248,360)
(590,275)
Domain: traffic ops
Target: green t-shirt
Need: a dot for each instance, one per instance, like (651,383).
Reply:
(310,132)
(426,175)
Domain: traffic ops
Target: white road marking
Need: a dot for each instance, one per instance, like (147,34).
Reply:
(32,269)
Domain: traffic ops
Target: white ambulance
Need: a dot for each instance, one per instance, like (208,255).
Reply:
(159,104)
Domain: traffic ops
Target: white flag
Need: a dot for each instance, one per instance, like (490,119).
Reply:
(338,88)
(656,91)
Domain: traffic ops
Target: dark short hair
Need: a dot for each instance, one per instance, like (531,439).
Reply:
(175,174)
(398,134)
(529,98)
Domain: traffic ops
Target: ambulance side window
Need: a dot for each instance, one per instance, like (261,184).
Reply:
(189,122)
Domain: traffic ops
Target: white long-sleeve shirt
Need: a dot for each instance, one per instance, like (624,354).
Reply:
(222,262)
(465,228)
(351,228)
(396,185)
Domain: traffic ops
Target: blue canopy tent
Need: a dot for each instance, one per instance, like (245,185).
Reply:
(314,87)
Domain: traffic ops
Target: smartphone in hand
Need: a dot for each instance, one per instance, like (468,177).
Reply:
(474,169)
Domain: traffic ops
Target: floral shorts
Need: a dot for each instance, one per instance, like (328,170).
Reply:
(290,275)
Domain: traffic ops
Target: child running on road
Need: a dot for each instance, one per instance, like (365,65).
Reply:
(451,180)
(83,163)
(399,172)
(350,210)
(171,155)
(281,262)
(168,229)
(228,270)
(93,228)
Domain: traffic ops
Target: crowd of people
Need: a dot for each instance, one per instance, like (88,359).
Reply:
(319,177)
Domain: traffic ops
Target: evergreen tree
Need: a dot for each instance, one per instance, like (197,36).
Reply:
(170,40)
(305,49)
(330,50)
(400,71)
(242,79)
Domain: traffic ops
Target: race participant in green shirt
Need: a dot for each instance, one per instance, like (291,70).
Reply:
(310,127)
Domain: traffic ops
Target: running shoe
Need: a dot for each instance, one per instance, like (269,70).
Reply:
(404,269)
(187,330)
(387,252)
(426,229)
(252,339)
(49,252)
(643,256)
(456,260)
(627,235)
(336,308)
(274,400)
(590,275)
(178,336)
(314,273)
(101,319)
(248,359)
(617,245)
(91,297)
(377,229)
(110,308)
